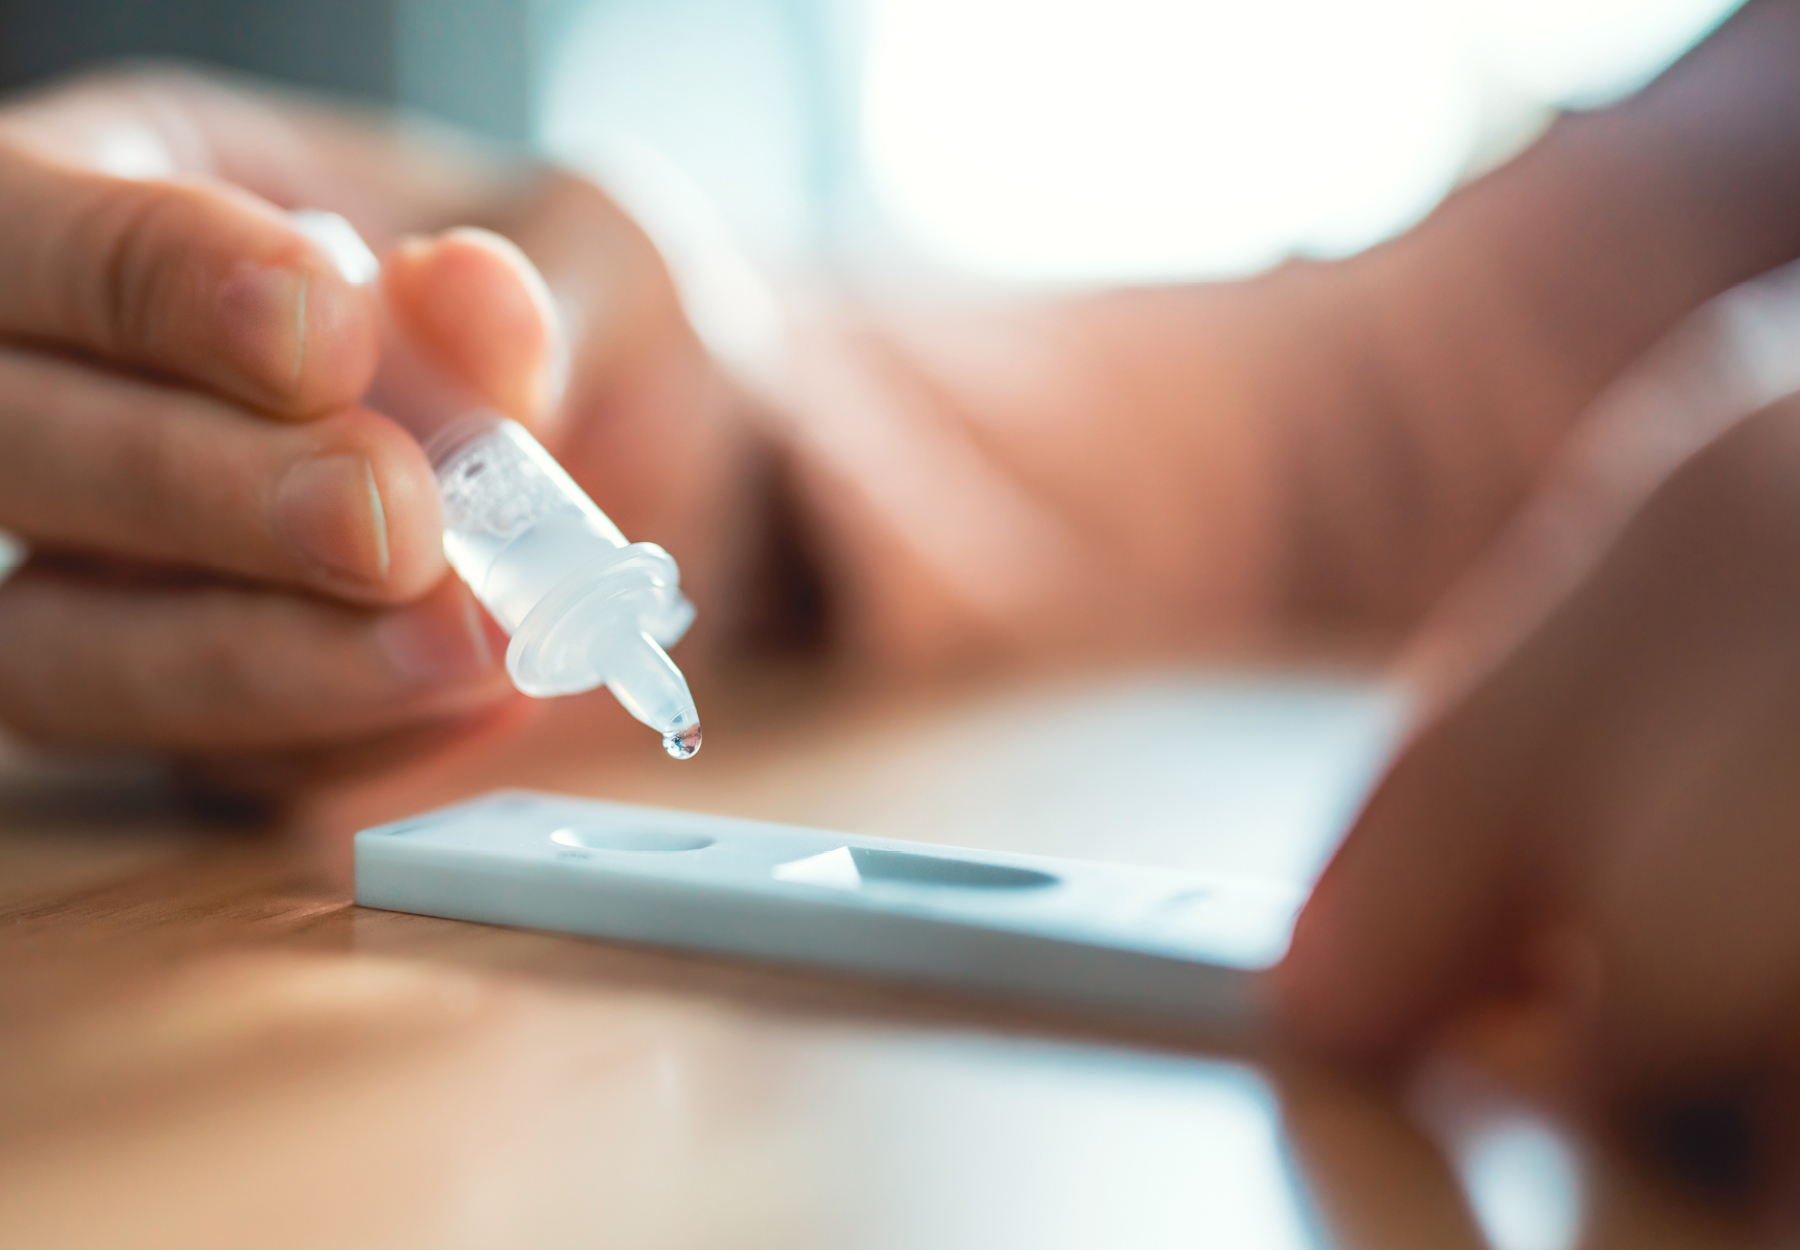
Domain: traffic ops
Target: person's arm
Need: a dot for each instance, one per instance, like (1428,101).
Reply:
(1603,829)
(1597,819)
(1320,449)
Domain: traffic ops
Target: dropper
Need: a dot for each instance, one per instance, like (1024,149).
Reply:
(582,605)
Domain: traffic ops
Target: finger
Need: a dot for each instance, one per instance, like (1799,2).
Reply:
(91,461)
(217,669)
(198,280)
(476,306)
(1410,918)
(1692,892)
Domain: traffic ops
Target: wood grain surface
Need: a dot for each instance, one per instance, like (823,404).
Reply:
(204,1043)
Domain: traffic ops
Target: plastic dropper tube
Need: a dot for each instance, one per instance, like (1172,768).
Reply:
(582,605)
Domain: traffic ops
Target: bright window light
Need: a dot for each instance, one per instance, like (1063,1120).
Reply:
(1113,140)
(1590,52)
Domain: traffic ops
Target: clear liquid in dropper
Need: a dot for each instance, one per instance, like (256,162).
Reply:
(683,743)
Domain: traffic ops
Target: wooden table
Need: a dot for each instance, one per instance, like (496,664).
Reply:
(203,1043)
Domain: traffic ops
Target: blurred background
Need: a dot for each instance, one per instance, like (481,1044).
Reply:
(1021,142)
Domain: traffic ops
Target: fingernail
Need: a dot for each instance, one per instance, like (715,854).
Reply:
(338,239)
(263,315)
(553,373)
(427,645)
(329,512)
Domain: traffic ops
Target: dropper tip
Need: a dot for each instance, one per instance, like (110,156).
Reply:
(683,743)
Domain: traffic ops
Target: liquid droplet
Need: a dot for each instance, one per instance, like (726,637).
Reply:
(683,743)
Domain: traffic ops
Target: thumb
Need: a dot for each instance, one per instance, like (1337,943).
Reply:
(474,304)
(1411,918)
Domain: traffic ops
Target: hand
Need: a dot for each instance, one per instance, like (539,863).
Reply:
(231,557)
(1609,818)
